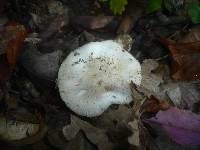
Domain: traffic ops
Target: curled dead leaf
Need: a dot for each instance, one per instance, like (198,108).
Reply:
(134,138)
(11,41)
(150,84)
(185,62)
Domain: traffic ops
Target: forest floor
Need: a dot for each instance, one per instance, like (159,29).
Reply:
(36,36)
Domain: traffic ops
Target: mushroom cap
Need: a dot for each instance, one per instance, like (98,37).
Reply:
(97,75)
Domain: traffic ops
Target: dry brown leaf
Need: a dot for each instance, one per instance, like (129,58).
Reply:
(134,138)
(150,84)
(185,61)
(185,54)
(134,125)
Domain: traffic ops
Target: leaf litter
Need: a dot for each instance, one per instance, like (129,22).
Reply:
(167,103)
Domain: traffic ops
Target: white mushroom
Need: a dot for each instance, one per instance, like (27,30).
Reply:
(97,75)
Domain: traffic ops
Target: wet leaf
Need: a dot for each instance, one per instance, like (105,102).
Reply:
(154,105)
(182,126)
(185,62)
(115,118)
(54,27)
(41,65)
(93,22)
(184,95)
(12,40)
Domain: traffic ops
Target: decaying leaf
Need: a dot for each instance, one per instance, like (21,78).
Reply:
(115,118)
(126,25)
(115,121)
(20,132)
(93,22)
(54,27)
(184,95)
(186,64)
(11,42)
(16,130)
(185,55)
(49,16)
(154,105)
(44,66)
(182,126)
(134,125)
(150,81)
(95,135)
(134,138)
(56,7)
